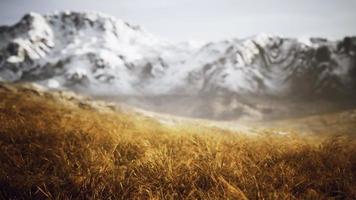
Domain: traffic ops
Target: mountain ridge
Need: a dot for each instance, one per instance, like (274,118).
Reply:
(100,55)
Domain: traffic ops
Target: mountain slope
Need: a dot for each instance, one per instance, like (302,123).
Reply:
(69,49)
(99,55)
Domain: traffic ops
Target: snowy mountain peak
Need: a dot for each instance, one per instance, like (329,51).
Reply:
(75,22)
(101,55)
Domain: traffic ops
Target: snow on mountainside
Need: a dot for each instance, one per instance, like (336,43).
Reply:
(84,49)
(100,55)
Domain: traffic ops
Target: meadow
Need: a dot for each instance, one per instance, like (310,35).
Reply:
(59,146)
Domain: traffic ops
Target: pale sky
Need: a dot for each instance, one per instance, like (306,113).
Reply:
(181,20)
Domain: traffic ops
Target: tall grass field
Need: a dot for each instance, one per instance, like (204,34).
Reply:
(57,146)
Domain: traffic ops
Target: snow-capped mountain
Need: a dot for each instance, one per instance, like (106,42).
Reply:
(103,56)
(84,49)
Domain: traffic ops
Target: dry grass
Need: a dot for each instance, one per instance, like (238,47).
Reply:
(52,148)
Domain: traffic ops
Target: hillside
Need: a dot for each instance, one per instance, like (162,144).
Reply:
(58,145)
(261,77)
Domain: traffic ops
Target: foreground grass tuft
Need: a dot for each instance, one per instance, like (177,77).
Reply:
(52,148)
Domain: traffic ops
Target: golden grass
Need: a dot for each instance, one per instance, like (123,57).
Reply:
(52,148)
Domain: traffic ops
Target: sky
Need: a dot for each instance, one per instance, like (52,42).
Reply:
(209,20)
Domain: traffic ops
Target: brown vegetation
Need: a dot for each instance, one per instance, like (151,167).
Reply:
(53,147)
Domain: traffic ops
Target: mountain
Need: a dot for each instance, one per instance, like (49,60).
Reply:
(92,50)
(261,76)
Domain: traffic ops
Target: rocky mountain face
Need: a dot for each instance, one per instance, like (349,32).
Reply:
(258,77)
